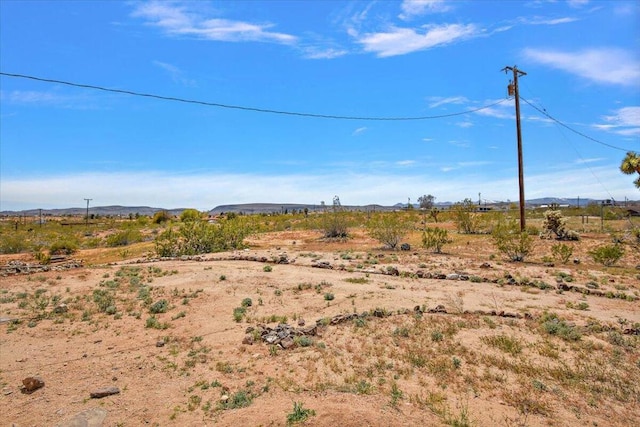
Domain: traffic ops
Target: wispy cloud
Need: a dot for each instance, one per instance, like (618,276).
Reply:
(625,121)
(411,8)
(608,66)
(464,124)
(437,101)
(315,52)
(539,20)
(175,73)
(177,19)
(359,131)
(400,41)
(48,98)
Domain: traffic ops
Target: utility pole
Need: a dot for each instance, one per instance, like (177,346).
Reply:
(87,219)
(513,91)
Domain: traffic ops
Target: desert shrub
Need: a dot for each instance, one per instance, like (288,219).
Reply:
(199,237)
(334,224)
(555,224)
(435,238)
(160,306)
(553,325)
(467,220)
(562,252)
(160,217)
(103,299)
(388,228)
(13,243)
(65,246)
(511,241)
(124,238)
(299,414)
(190,215)
(607,255)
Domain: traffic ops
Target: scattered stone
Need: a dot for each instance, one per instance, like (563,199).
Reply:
(7,320)
(248,339)
(301,322)
(31,384)
(61,308)
(393,271)
(322,264)
(224,398)
(160,343)
(453,276)
(7,391)
(104,392)
(93,417)
(485,265)
(439,309)
(287,342)
(405,247)
(576,260)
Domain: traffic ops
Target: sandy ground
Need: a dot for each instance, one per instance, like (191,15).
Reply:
(351,375)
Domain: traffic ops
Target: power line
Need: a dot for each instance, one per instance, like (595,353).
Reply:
(544,112)
(244,108)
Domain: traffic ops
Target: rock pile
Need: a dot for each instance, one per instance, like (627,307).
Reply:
(21,267)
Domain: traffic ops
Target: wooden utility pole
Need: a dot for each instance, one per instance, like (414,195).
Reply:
(513,91)
(87,220)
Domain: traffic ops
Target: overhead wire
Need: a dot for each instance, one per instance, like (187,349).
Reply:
(245,108)
(544,113)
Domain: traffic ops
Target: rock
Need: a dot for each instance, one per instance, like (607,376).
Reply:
(453,276)
(104,392)
(160,343)
(93,417)
(405,247)
(248,339)
(287,343)
(438,309)
(485,265)
(31,384)
(393,271)
(61,308)
(301,322)
(224,398)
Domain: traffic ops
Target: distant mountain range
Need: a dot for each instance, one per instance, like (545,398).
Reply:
(252,208)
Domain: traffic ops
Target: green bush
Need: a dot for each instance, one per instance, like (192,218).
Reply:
(562,252)
(388,228)
(160,306)
(199,237)
(467,220)
(607,255)
(511,241)
(435,238)
(63,247)
(190,215)
(124,238)
(13,243)
(160,217)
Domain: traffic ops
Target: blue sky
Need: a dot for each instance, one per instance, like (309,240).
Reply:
(60,144)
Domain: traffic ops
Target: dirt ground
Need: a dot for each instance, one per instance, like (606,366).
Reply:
(490,360)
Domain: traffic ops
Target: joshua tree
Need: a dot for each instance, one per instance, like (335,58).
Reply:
(630,165)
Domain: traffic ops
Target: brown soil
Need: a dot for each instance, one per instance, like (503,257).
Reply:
(350,375)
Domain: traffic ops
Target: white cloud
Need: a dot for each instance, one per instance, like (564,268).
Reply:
(465,124)
(578,3)
(608,66)
(437,101)
(49,99)
(323,53)
(179,21)
(625,122)
(400,41)
(538,20)
(412,8)
(176,74)
(207,190)
(585,161)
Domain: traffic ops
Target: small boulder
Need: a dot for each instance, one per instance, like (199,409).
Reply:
(104,392)
(31,384)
